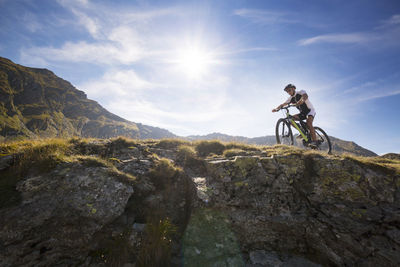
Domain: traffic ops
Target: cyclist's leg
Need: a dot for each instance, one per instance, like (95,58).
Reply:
(299,117)
(310,119)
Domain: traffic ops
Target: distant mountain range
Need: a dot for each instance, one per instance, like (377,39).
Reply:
(338,145)
(37,103)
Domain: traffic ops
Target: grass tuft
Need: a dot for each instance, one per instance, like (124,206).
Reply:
(172,143)
(205,148)
(122,142)
(163,172)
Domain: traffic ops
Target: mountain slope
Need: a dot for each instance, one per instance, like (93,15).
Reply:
(37,103)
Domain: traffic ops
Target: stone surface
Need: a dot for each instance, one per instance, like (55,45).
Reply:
(329,210)
(293,209)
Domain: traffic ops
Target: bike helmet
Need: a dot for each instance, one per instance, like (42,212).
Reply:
(289,86)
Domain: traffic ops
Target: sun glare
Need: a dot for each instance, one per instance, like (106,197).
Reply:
(194,62)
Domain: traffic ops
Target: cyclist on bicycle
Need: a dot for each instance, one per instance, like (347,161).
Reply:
(300,99)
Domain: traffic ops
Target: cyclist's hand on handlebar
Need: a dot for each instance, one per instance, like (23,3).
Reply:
(275,110)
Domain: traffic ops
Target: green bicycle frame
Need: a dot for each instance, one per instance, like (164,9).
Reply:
(296,126)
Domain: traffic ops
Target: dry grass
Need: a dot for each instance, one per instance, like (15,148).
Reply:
(390,165)
(163,172)
(172,143)
(234,152)
(205,148)
(35,156)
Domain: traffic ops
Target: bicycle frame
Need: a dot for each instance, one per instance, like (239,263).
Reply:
(295,125)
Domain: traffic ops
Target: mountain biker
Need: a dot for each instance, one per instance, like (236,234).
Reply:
(300,99)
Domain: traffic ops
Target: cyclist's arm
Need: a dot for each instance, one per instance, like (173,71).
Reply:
(280,106)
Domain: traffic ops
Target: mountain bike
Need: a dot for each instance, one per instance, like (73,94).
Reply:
(284,134)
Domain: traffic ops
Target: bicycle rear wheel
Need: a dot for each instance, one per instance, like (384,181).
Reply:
(283,133)
(323,141)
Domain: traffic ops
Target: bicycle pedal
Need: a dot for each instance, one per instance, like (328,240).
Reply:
(313,146)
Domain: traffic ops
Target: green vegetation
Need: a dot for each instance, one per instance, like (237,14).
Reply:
(10,122)
(156,246)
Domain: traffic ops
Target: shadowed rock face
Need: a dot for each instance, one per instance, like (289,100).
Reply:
(328,210)
(260,209)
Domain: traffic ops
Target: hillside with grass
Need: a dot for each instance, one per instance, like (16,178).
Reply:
(37,103)
(173,202)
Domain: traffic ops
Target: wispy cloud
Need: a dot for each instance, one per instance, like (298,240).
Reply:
(250,49)
(122,47)
(387,31)
(91,24)
(393,20)
(118,36)
(378,94)
(344,38)
(265,16)
(31,22)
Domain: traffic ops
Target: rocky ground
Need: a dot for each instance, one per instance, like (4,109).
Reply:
(127,203)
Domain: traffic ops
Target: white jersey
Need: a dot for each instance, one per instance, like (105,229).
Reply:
(306,108)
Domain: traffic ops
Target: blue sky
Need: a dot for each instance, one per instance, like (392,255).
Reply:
(197,67)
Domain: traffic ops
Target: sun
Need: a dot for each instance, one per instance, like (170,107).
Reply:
(194,62)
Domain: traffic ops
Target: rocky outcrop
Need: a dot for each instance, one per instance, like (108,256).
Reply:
(59,214)
(326,210)
(149,203)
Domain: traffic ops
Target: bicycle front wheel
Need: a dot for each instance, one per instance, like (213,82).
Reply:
(283,133)
(323,141)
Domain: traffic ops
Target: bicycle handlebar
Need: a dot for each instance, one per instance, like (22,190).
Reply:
(288,106)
